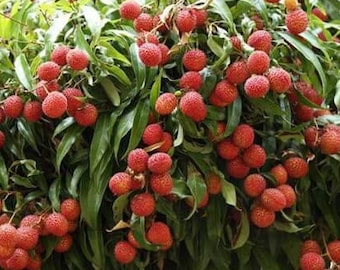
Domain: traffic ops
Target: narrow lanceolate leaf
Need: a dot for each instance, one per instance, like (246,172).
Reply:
(234,116)
(111,91)
(82,44)
(69,138)
(242,233)
(309,55)
(229,192)
(138,66)
(3,173)
(93,20)
(155,90)
(337,95)
(54,194)
(23,71)
(220,7)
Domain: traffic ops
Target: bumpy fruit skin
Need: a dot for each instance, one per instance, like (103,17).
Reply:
(237,72)
(312,261)
(243,136)
(159,163)
(192,105)
(13,106)
(320,14)
(334,250)
(311,135)
(194,60)
(132,240)
(159,234)
(258,62)
(150,54)
(58,55)
(227,150)
(56,224)
(32,221)
(137,160)
(303,113)
(255,156)
(260,40)
(64,244)
(166,103)
(8,235)
(54,105)
(161,184)
(214,185)
(257,86)
(310,246)
(2,142)
(74,102)
(6,252)
(32,111)
(77,59)
(130,10)
(86,115)
(262,217)
(296,21)
(18,260)
(273,199)
(237,168)
(144,22)
(120,183)
(146,36)
(27,237)
(296,167)
(201,17)
(236,42)
(186,21)
(254,184)
(34,263)
(225,92)
(165,54)
(70,208)
(279,80)
(48,71)
(291,4)
(143,204)
(167,143)
(279,173)
(289,193)
(152,134)
(258,21)
(330,143)
(191,80)
(124,252)
(44,87)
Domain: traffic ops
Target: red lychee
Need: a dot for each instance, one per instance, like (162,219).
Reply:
(279,173)
(258,62)
(18,260)
(27,237)
(56,224)
(130,10)
(193,106)
(77,59)
(8,235)
(166,103)
(296,21)
(70,208)
(225,92)
(74,99)
(86,115)
(44,87)
(237,168)
(124,252)
(312,261)
(165,54)
(334,250)
(146,37)
(330,143)
(254,184)
(213,182)
(296,167)
(289,193)
(54,105)
(144,22)
(201,16)
(13,106)
(150,54)
(167,143)
(159,234)
(255,156)
(185,21)
(194,60)
(310,246)
(159,163)
(227,150)
(32,111)
(58,55)
(260,40)
(279,80)
(152,134)
(161,183)
(257,86)
(142,204)
(48,71)
(120,183)
(64,244)
(243,136)
(262,217)
(137,160)
(237,72)
(273,199)
(191,80)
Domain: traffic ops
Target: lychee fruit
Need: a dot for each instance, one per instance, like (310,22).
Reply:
(236,42)
(192,105)
(167,143)
(32,111)
(330,143)
(257,86)
(320,14)
(56,224)
(58,55)
(150,54)
(8,235)
(289,193)
(54,105)
(161,184)
(312,261)
(77,59)
(146,37)
(296,21)
(132,240)
(261,216)
(227,150)
(255,156)
(152,134)
(166,103)
(34,262)
(120,183)
(190,201)
(279,79)
(2,141)
(137,160)
(258,62)
(18,260)
(310,246)
(6,252)
(44,87)
(303,113)
(237,168)
(48,71)
(237,72)
(165,54)
(254,184)
(273,199)
(279,173)
(70,208)
(74,99)
(194,60)
(225,92)
(333,249)
(159,234)
(201,17)
(217,134)
(13,106)
(260,40)
(143,204)
(296,167)
(124,252)
(190,80)
(130,10)
(243,136)
(159,163)
(86,115)
(64,243)
(185,21)
(27,237)
(144,22)
(214,185)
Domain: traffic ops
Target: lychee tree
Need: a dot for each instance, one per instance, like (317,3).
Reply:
(169,135)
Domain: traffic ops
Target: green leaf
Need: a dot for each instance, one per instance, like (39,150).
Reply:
(82,44)
(234,116)
(113,53)
(220,7)
(119,205)
(267,105)
(337,95)
(138,231)
(53,194)
(309,55)
(265,260)
(93,20)
(228,192)
(292,248)
(70,137)
(63,125)
(111,91)
(3,174)
(23,71)
(72,185)
(138,67)
(260,5)
(57,26)
(155,90)
(119,74)
(22,181)
(26,131)
(242,231)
